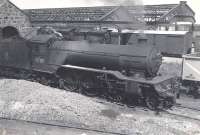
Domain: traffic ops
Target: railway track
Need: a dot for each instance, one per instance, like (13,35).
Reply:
(97,131)
(186,107)
(182,116)
(171,112)
(174,111)
(184,112)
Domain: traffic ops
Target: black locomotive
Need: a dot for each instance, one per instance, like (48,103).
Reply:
(94,68)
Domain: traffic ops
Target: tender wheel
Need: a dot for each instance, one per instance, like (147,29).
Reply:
(151,102)
(69,84)
(88,86)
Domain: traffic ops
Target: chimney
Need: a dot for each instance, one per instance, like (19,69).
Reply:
(183,2)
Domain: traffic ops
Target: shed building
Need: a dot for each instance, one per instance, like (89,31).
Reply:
(154,17)
(13,21)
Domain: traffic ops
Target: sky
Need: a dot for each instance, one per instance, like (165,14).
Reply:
(29,4)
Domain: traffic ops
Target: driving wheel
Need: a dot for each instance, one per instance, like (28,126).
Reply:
(151,102)
(88,85)
(70,83)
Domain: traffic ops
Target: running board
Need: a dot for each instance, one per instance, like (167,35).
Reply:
(120,76)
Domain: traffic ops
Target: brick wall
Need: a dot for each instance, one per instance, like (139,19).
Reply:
(10,15)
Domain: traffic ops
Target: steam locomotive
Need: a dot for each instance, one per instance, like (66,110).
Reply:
(118,67)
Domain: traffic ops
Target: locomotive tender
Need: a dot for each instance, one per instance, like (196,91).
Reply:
(92,68)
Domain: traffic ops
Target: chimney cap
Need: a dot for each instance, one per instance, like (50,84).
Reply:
(183,2)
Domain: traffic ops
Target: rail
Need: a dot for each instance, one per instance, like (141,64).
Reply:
(65,126)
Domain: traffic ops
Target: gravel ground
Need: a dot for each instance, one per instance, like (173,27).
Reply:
(31,101)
